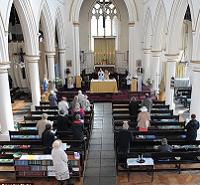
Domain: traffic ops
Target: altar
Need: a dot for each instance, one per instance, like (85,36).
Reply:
(103,86)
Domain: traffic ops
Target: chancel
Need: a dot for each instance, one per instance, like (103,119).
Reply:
(106,62)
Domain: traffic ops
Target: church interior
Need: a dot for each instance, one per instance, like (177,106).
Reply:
(99,92)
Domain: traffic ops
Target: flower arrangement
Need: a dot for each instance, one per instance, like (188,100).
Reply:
(58,82)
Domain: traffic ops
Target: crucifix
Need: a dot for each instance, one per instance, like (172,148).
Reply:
(103,4)
(21,62)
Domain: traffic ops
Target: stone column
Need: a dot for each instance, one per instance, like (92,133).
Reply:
(76,55)
(195,99)
(132,65)
(147,64)
(155,69)
(51,65)
(6,115)
(34,79)
(170,72)
(61,53)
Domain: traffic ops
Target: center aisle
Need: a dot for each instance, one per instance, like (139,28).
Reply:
(100,165)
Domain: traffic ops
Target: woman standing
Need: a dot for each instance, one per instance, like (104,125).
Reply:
(143,120)
(60,163)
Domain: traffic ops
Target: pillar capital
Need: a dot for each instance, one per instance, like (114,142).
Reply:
(50,53)
(61,50)
(156,53)
(32,58)
(147,50)
(76,24)
(131,24)
(4,66)
(172,57)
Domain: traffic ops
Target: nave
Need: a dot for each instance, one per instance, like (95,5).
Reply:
(100,163)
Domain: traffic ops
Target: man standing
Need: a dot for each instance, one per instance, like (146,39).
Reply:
(192,127)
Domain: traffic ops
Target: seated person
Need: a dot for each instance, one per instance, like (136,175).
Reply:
(143,120)
(64,121)
(165,147)
(48,138)
(78,128)
(192,127)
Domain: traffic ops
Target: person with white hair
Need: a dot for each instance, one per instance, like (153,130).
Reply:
(124,138)
(63,105)
(60,162)
(86,104)
(123,142)
(143,120)
(80,97)
(41,124)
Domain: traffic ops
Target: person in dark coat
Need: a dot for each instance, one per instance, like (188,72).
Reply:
(192,127)
(78,128)
(48,138)
(124,139)
(123,142)
(64,121)
(133,107)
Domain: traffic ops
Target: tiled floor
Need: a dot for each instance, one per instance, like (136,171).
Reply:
(100,165)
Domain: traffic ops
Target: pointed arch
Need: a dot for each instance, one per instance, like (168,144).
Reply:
(28,24)
(175,23)
(48,27)
(148,30)
(130,4)
(160,27)
(59,26)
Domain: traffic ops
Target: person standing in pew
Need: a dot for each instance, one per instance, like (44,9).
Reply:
(143,120)
(147,102)
(41,124)
(48,138)
(52,98)
(60,163)
(78,128)
(192,127)
(63,105)
(123,142)
(133,107)
(64,121)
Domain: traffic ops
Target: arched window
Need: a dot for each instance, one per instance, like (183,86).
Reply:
(104,20)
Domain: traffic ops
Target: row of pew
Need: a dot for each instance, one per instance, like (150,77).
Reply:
(163,125)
